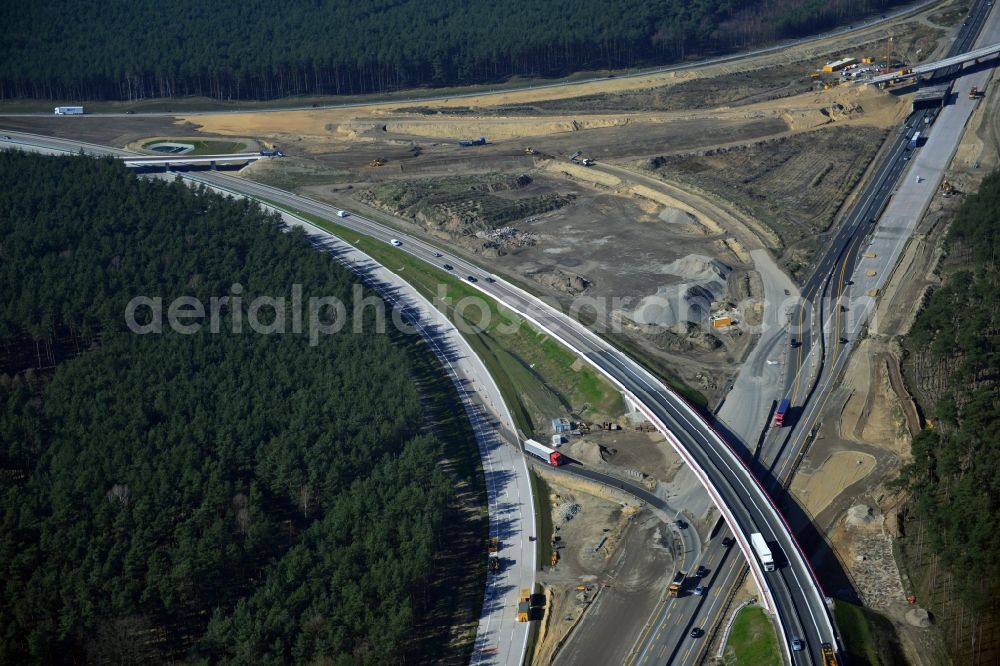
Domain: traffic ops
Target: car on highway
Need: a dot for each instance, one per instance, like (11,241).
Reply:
(728,541)
(699,591)
(696,632)
(489,279)
(6,138)
(435,254)
(395,242)
(448,267)
(472,278)
(680,524)
(797,644)
(342,213)
(701,571)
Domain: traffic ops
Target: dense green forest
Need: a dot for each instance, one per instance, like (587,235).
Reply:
(256,49)
(953,361)
(239,498)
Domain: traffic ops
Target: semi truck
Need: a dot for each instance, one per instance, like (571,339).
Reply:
(829,654)
(551,456)
(481,141)
(69,111)
(915,140)
(763,552)
(271,152)
(781,412)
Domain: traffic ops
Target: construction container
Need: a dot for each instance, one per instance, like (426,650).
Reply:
(523,611)
(525,595)
(722,322)
(838,65)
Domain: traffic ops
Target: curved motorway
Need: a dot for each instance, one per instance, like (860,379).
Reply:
(791,592)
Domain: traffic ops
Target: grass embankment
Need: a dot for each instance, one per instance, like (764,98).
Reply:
(203,147)
(538,377)
(752,641)
(869,638)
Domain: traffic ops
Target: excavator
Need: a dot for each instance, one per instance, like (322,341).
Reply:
(377,162)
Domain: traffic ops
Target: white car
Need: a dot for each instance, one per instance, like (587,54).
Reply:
(342,213)
(395,242)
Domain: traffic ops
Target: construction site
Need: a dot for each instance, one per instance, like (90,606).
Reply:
(655,207)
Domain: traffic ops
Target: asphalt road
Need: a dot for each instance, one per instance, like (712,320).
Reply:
(826,286)
(846,318)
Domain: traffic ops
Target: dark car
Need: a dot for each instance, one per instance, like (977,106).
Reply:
(680,524)
(701,571)
(448,267)
(696,632)
(728,541)
(472,278)
(489,279)
(130,113)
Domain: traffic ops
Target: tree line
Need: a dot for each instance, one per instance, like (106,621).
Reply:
(217,497)
(953,480)
(251,49)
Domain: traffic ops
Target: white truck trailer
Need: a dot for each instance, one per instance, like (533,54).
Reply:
(763,552)
(551,456)
(69,111)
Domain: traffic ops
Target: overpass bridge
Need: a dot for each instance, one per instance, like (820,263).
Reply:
(926,68)
(167,161)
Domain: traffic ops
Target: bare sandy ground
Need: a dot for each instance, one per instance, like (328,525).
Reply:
(816,490)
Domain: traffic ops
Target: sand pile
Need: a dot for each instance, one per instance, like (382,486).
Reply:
(702,280)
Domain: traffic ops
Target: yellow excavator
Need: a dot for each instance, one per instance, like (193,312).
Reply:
(377,162)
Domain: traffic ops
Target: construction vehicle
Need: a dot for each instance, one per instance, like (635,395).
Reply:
(493,545)
(555,558)
(523,611)
(763,551)
(947,189)
(551,456)
(974,93)
(572,158)
(530,151)
(377,162)
(676,585)
(494,564)
(829,654)
(586,161)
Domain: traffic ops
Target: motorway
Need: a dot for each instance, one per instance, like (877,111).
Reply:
(825,285)
(838,268)
(791,591)
(861,275)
